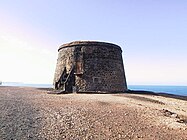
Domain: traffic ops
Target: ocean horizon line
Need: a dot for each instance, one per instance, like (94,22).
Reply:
(171,89)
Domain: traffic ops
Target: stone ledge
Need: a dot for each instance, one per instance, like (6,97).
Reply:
(88,43)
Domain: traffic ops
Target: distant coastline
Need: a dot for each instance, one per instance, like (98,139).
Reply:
(176,90)
(19,84)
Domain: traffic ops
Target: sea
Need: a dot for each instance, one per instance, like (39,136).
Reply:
(19,84)
(176,90)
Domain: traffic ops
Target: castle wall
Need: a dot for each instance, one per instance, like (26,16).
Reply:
(65,59)
(98,66)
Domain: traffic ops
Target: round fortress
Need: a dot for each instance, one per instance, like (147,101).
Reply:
(90,66)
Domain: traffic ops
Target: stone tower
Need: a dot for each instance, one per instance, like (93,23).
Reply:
(90,66)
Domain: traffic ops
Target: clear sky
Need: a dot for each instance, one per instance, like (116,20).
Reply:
(152,34)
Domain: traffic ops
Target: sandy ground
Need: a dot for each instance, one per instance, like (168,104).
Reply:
(30,113)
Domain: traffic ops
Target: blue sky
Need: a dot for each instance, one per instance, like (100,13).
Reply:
(152,34)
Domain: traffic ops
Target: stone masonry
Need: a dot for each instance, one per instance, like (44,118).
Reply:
(90,66)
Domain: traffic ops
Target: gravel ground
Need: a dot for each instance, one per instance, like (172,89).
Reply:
(30,113)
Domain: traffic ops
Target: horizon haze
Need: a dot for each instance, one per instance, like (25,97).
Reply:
(152,35)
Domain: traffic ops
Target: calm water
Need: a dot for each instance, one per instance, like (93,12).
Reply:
(177,90)
(26,85)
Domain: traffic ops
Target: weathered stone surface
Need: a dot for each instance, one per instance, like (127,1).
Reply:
(90,66)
